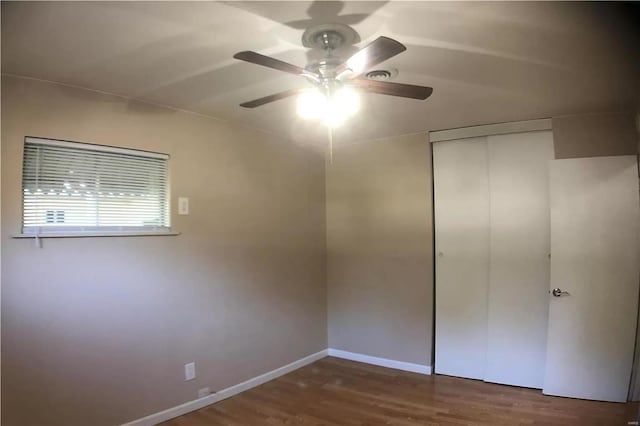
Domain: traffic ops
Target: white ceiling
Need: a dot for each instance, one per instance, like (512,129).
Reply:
(487,62)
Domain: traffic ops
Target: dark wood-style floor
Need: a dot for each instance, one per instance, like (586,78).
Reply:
(338,392)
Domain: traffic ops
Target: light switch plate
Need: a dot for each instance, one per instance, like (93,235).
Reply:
(190,371)
(183,205)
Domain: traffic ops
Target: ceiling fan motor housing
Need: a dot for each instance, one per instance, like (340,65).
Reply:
(329,36)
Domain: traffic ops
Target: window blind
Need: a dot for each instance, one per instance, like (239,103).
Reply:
(70,187)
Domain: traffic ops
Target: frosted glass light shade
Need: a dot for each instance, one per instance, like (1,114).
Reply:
(312,104)
(334,110)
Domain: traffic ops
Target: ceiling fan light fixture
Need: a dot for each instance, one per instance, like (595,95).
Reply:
(346,100)
(329,75)
(332,109)
(312,104)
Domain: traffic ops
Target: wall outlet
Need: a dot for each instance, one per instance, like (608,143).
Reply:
(190,371)
(204,392)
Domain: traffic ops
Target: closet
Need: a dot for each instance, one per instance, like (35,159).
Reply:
(537,265)
(492,256)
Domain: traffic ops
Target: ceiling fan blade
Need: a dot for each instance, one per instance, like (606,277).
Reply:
(269,62)
(271,98)
(372,54)
(394,89)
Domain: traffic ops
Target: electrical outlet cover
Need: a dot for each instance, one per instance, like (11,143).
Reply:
(204,392)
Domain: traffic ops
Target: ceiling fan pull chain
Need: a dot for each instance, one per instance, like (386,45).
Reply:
(330,144)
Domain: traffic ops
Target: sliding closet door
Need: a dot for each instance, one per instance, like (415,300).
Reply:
(461,192)
(519,257)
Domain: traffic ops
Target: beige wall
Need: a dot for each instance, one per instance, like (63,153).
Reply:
(379,244)
(96,331)
(594,135)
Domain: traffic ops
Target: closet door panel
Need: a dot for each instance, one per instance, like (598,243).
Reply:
(594,258)
(519,263)
(461,191)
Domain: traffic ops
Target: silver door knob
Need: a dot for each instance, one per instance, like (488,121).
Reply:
(558,292)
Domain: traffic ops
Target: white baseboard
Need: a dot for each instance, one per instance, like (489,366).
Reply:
(196,404)
(382,362)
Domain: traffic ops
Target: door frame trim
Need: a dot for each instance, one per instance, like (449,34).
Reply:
(491,130)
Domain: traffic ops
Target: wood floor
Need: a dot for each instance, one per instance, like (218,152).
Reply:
(339,392)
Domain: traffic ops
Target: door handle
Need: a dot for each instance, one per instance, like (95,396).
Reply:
(558,292)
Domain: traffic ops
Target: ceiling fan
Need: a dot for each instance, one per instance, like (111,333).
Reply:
(334,81)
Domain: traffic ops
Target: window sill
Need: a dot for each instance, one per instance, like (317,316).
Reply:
(97,234)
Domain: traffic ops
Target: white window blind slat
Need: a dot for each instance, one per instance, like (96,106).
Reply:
(75,187)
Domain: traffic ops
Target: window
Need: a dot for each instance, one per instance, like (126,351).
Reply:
(55,216)
(70,187)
